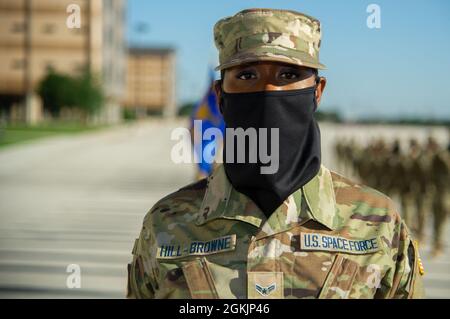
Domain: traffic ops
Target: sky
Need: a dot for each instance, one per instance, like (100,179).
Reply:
(401,69)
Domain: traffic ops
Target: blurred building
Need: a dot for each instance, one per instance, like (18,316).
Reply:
(150,82)
(34,37)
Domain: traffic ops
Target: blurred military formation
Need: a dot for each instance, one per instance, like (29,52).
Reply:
(417,175)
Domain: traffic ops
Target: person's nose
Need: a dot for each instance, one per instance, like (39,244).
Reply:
(269,83)
(268,86)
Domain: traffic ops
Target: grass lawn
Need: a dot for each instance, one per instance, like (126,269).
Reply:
(19,133)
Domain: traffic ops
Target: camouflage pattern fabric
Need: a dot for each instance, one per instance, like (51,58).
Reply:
(332,238)
(423,195)
(440,177)
(268,35)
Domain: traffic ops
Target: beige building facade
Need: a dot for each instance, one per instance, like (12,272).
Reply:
(38,35)
(150,82)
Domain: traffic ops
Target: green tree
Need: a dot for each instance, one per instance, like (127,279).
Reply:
(186,109)
(60,90)
(57,91)
(90,96)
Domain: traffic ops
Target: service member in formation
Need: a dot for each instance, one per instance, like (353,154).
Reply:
(299,231)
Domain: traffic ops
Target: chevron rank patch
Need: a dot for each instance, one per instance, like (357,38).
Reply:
(265,291)
(265,285)
(325,242)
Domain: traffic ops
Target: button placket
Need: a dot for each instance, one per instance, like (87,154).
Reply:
(251,246)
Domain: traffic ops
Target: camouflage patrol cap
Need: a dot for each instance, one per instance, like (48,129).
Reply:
(268,35)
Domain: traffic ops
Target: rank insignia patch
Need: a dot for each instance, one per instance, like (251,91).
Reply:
(265,285)
(265,291)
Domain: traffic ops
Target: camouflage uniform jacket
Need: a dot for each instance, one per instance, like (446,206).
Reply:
(332,238)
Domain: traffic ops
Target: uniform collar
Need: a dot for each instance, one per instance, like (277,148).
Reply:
(315,200)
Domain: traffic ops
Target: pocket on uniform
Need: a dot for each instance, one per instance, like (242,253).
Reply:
(199,279)
(339,281)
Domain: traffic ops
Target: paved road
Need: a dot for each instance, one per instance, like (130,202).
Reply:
(81,199)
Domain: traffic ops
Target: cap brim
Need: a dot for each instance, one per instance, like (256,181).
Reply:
(272,53)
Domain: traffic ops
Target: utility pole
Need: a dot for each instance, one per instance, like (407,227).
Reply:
(28,79)
(142,29)
(88,21)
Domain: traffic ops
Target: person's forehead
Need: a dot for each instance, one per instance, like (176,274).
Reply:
(268,63)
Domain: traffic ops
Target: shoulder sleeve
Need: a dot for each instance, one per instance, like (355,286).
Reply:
(407,281)
(141,271)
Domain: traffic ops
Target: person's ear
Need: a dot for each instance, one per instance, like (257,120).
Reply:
(218,91)
(321,83)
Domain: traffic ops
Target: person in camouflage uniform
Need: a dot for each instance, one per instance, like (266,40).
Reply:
(412,196)
(440,180)
(391,165)
(424,188)
(331,238)
(403,167)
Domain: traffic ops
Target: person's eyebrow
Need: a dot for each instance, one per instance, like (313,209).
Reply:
(295,67)
(244,67)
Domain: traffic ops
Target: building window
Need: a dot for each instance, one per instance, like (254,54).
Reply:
(49,67)
(79,67)
(17,64)
(49,28)
(18,27)
(78,31)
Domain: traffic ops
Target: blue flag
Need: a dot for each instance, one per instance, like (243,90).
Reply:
(207,110)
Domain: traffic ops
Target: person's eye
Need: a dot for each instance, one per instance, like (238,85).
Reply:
(289,75)
(246,75)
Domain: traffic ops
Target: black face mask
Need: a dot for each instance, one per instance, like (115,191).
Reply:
(299,143)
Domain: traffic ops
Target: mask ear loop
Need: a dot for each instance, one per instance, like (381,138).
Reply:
(220,102)
(317,81)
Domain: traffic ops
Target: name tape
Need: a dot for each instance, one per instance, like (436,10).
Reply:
(197,248)
(323,242)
